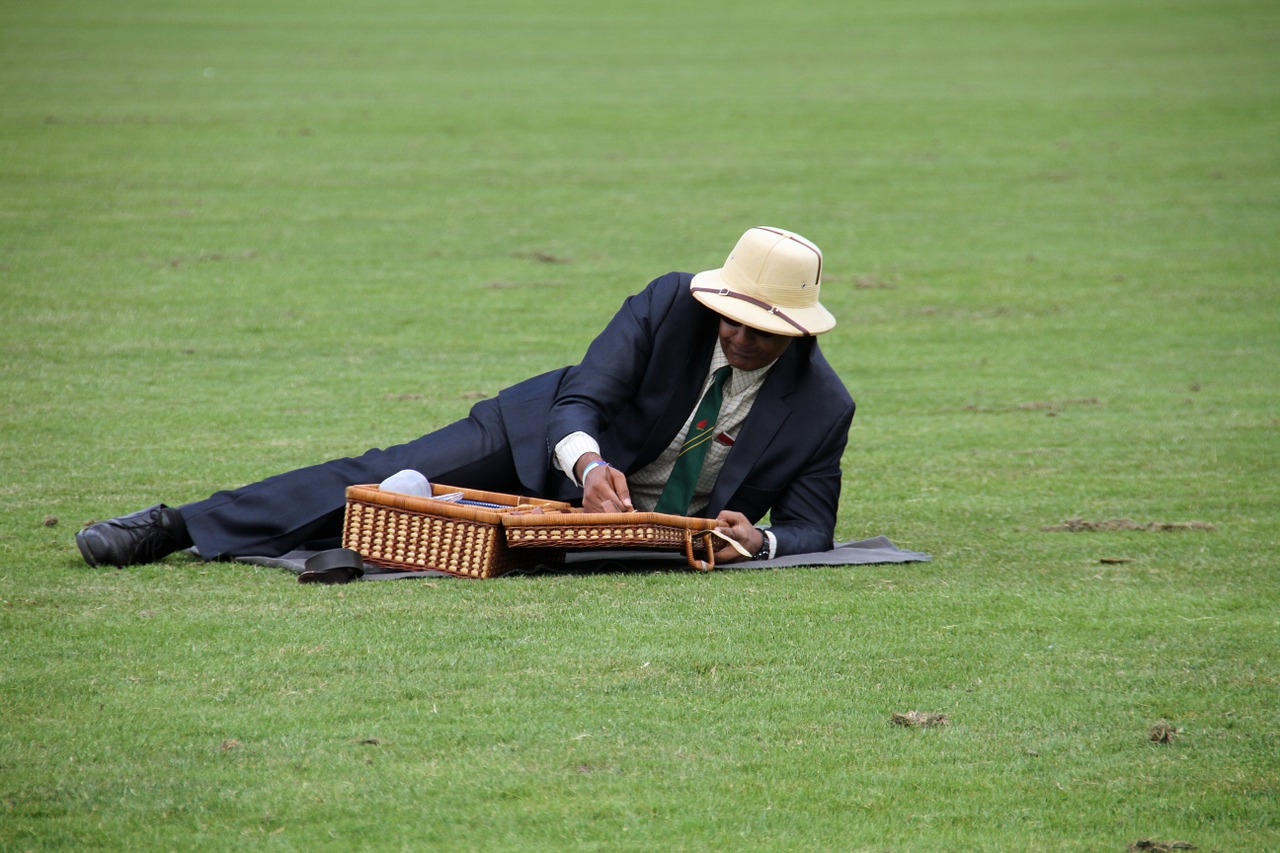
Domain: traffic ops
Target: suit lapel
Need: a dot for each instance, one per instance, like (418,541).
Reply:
(769,412)
(682,387)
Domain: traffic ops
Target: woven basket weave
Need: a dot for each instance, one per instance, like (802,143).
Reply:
(409,533)
(574,528)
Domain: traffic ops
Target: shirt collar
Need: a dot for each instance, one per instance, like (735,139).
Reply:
(739,379)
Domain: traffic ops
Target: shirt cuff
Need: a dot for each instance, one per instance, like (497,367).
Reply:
(570,449)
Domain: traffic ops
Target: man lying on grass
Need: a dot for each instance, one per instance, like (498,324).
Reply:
(705,395)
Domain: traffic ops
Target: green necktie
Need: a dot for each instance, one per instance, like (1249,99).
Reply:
(678,492)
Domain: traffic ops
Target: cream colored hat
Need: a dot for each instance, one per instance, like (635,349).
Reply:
(770,281)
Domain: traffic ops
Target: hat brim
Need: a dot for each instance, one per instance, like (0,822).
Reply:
(813,320)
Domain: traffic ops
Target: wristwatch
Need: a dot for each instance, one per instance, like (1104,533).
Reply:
(763,552)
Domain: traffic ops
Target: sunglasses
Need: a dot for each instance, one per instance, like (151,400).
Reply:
(734,324)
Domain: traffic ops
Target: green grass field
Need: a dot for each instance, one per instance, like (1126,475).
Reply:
(240,237)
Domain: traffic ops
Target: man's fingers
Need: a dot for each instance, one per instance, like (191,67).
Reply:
(738,527)
(728,554)
(606,491)
(734,524)
(618,481)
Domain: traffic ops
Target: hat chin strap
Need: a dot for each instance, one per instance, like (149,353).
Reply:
(759,303)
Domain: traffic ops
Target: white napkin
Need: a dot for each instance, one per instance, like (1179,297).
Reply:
(407,482)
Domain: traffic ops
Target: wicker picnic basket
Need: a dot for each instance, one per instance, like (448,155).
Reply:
(409,533)
(573,528)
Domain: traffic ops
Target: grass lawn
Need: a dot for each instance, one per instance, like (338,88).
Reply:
(240,237)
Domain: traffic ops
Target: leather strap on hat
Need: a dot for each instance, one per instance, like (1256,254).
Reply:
(759,303)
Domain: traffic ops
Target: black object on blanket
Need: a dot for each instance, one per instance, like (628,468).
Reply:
(337,565)
(865,552)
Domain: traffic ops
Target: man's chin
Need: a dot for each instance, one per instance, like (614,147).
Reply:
(741,362)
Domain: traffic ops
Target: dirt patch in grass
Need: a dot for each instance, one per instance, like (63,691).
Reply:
(1080,525)
(544,257)
(918,719)
(1050,407)
(864,282)
(511,285)
(1159,846)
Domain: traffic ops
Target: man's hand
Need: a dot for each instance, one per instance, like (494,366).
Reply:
(605,488)
(736,526)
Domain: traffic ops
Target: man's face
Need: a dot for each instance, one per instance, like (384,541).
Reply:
(748,348)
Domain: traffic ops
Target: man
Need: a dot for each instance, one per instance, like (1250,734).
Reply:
(705,395)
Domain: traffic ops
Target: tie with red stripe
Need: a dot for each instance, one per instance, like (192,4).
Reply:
(678,492)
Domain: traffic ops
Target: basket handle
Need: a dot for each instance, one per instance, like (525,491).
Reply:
(705,536)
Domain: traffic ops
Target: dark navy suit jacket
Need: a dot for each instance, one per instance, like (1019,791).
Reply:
(634,390)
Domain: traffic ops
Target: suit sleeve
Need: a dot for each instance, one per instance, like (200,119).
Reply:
(803,516)
(612,370)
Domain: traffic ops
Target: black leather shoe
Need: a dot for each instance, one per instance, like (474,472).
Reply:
(141,537)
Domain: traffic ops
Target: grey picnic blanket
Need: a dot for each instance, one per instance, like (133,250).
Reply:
(878,549)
